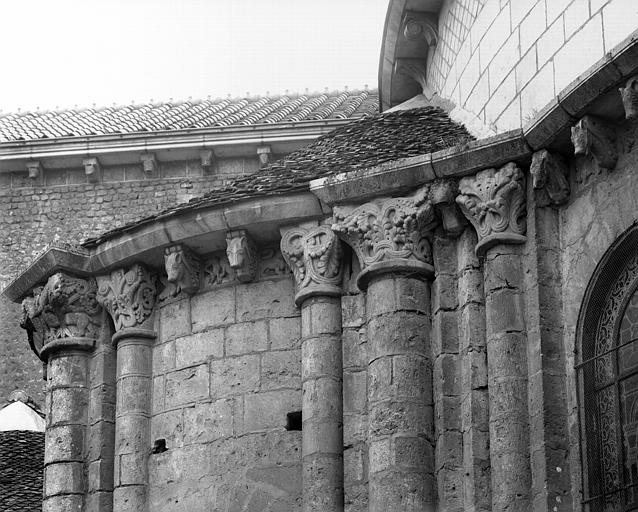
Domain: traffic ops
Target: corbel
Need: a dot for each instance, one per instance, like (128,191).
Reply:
(629,95)
(34,168)
(549,178)
(183,270)
(242,255)
(419,25)
(443,197)
(92,169)
(149,164)
(592,136)
(263,152)
(208,160)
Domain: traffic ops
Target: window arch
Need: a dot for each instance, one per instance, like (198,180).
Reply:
(607,375)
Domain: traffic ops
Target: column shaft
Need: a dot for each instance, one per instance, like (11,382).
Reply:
(132,418)
(507,379)
(322,376)
(400,395)
(67,397)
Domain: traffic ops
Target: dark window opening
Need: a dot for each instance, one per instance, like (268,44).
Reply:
(293,420)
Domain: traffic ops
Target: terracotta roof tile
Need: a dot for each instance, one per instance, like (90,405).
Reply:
(361,144)
(21,470)
(187,114)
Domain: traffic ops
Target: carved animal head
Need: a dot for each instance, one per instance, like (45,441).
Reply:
(174,261)
(237,251)
(629,96)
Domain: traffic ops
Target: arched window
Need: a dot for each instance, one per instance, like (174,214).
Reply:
(608,381)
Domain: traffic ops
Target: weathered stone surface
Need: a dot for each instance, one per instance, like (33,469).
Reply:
(175,320)
(285,333)
(187,385)
(199,347)
(234,376)
(281,370)
(265,411)
(207,422)
(244,338)
(213,308)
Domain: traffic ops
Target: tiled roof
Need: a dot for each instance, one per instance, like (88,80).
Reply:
(364,143)
(188,114)
(21,468)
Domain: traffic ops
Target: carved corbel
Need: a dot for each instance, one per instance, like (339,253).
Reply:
(494,203)
(314,255)
(263,152)
(629,95)
(593,137)
(549,178)
(129,297)
(207,157)
(149,165)
(389,235)
(64,313)
(34,169)
(183,270)
(242,255)
(92,169)
(443,197)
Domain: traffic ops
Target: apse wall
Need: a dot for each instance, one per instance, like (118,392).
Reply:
(504,60)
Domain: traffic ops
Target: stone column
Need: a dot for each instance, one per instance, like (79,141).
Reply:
(63,320)
(129,296)
(314,256)
(389,240)
(494,202)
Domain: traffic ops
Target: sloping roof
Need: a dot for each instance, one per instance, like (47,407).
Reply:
(188,114)
(361,144)
(19,416)
(21,470)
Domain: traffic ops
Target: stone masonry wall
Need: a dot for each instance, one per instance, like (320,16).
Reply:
(62,205)
(227,371)
(504,60)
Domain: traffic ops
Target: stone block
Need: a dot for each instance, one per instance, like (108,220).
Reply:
(355,391)
(399,490)
(504,312)
(64,444)
(244,338)
(321,356)
(448,413)
(445,333)
(470,287)
(207,422)
(395,417)
(163,357)
(354,463)
(281,369)
(188,385)
(71,503)
(285,333)
(131,496)
(234,376)
(197,348)
(502,270)
(353,310)
(68,406)
(447,379)
(134,358)
(101,439)
(265,411)
(411,295)
(444,295)
(134,394)
(399,333)
(321,315)
(550,42)
(158,393)
(169,426)
(379,378)
(355,348)
(213,308)
(100,475)
(175,320)
(68,370)
(322,442)
(63,478)
(472,327)
(355,428)
(98,501)
(266,299)
(322,401)
(102,366)
(102,403)
(131,435)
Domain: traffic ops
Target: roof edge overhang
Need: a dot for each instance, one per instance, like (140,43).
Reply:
(125,148)
(404,53)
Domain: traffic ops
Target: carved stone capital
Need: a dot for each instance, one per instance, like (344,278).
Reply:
(183,270)
(593,137)
(242,255)
(314,255)
(443,196)
(64,313)
(494,203)
(629,95)
(389,235)
(129,296)
(549,178)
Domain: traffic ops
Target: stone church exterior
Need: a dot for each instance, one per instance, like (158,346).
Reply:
(429,309)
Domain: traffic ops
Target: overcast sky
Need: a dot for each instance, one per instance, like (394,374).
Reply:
(63,53)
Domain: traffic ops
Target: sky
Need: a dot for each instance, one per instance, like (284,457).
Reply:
(67,53)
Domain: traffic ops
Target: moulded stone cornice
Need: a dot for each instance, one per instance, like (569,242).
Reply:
(494,203)
(129,296)
(593,137)
(64,308)
(242,255)
(389,235)
(549,177)
(315,257)
(183,270)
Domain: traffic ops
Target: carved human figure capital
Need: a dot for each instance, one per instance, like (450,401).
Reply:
(242,255)
(494,203)
(64,308)
(129,296)
(183,271)
(389,235)
(315,257)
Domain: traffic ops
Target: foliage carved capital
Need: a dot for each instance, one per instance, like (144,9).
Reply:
(242,255)
(389,235)
(315,257)
(129,296)
(65,307)
(494,203)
